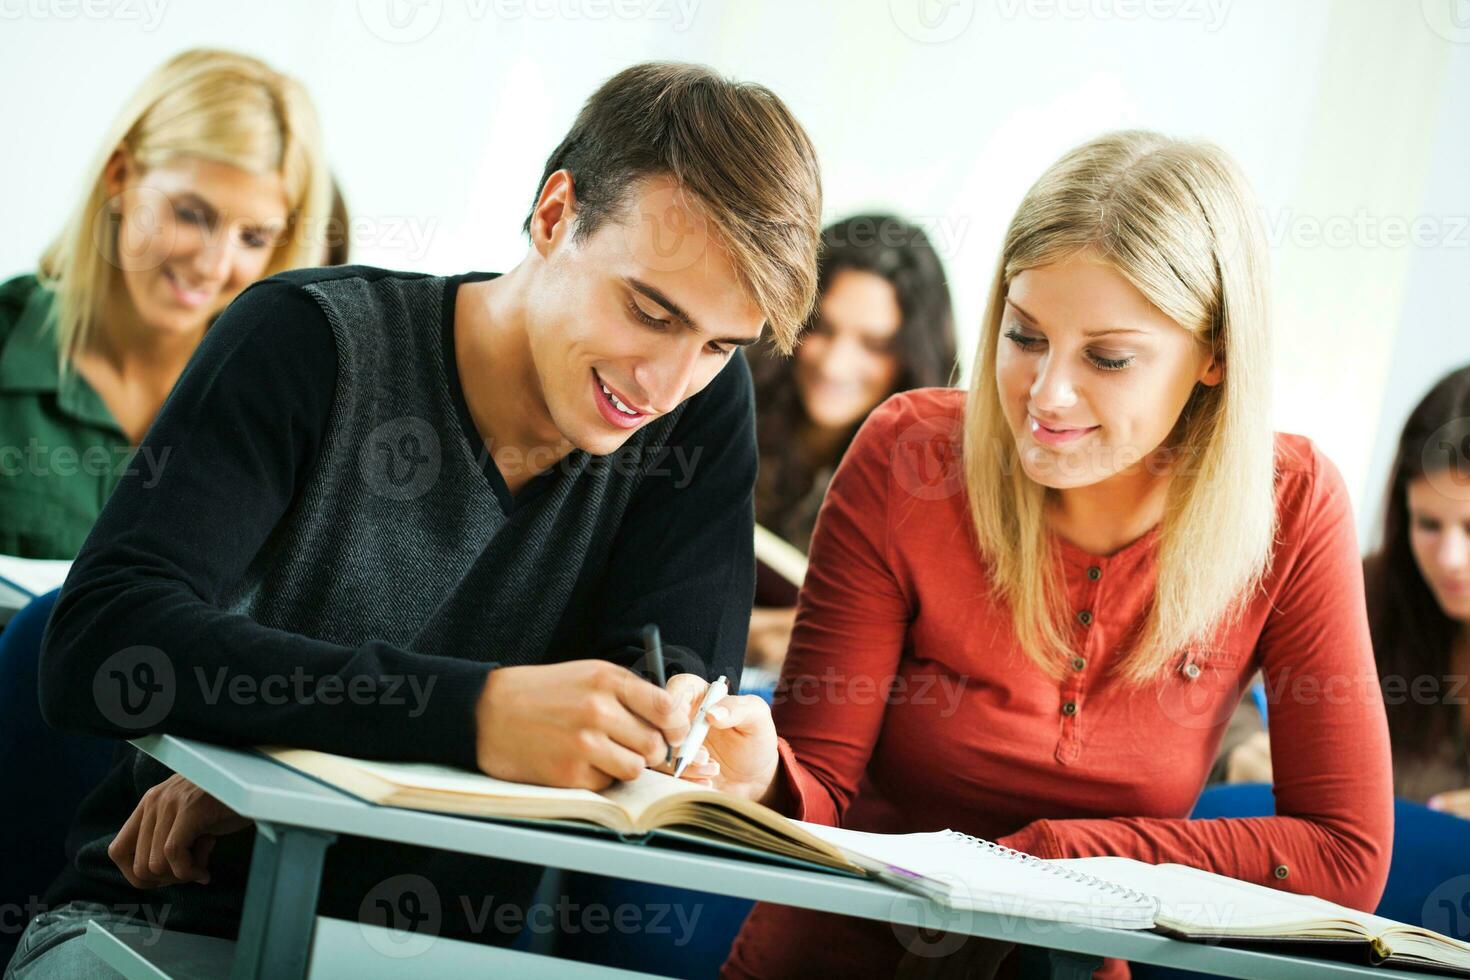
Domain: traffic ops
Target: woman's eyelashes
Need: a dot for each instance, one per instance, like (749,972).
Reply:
(654,323)
(206,221)
(1098,360)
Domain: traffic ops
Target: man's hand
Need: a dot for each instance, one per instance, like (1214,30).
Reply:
(581,724)
(169,837)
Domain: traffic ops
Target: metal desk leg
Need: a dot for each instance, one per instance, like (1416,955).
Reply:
(280,903)
(1072,966)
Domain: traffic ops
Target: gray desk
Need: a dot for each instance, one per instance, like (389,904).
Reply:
(298,818)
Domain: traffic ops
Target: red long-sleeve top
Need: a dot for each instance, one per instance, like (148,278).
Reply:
(906,704)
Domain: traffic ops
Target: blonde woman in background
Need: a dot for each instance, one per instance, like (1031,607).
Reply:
(1057,581)
(212,177)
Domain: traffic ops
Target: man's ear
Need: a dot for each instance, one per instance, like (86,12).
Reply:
(556,209)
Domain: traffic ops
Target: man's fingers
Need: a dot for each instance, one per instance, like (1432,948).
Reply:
(158,860)
(203,847)
(178,847)
(634,734)
(657,706)
(615,760)
(143,850)
(122,846)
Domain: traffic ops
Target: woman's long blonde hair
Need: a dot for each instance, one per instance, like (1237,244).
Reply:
(1178,220)
(216,105)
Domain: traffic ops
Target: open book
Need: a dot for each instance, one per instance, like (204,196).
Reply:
(1195,904)
(951,868)
(652,804)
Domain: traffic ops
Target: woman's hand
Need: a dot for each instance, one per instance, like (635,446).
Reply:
(1456,801)
(770,635)
(169,837)
(741,743)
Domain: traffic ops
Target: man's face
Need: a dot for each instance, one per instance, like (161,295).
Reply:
(630,321)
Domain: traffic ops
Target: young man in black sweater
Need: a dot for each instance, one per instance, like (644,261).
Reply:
(423,518)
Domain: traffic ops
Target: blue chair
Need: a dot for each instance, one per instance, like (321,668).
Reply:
(46,773)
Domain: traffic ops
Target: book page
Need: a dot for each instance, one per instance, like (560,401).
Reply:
(1200,901)
(635,797)
(449,779)
(978,877)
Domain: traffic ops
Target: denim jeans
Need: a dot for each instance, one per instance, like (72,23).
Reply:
(53,946)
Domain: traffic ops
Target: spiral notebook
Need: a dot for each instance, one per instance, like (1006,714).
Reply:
(966,872)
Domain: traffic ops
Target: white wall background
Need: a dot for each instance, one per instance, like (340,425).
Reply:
(1351,117)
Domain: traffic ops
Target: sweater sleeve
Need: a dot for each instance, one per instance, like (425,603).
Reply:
(138,640)
(1332,832)
(851,620)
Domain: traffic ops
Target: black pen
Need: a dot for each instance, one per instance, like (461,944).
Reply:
(653,647)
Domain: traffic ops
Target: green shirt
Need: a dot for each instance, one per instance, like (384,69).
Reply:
(61,451)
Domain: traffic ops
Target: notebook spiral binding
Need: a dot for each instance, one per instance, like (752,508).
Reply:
(1031,860)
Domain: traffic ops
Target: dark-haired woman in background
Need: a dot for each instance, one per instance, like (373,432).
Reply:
(1418,590)
(882,324)
(1418,593)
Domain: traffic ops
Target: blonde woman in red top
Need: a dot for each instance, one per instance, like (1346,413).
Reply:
(1033,605)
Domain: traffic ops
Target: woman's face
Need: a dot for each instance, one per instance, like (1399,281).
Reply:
(192,234)
(845,364)
(1091,375)
(1439,533)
